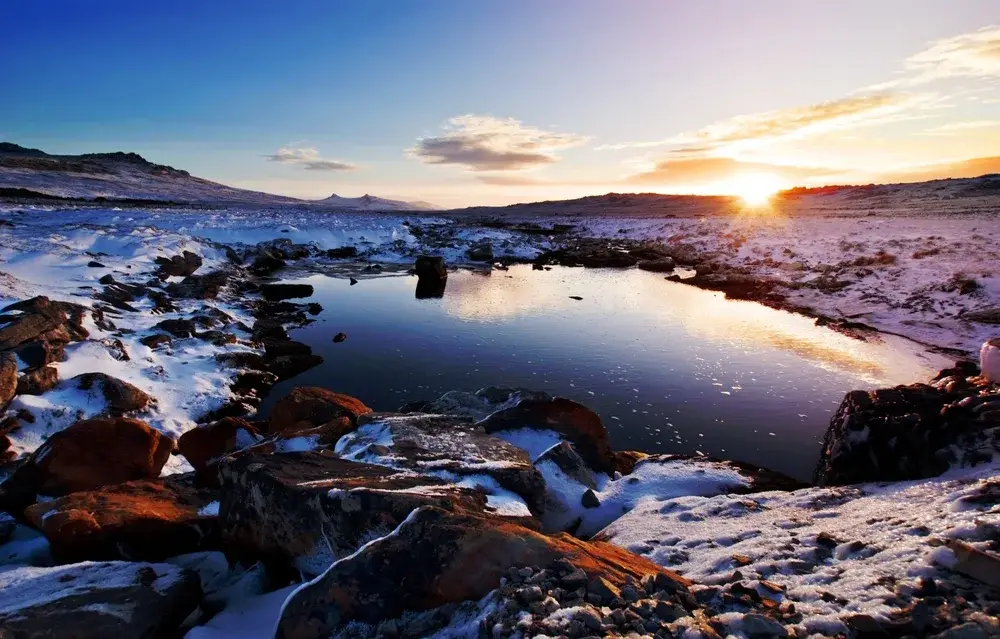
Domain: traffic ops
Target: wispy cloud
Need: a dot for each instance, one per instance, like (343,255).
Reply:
(961,127)
(487,143)
(309,159)
(971,55)
(818,118)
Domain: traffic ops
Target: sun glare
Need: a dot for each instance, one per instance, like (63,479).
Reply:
(755,190)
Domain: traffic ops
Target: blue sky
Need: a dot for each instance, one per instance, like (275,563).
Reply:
(492,102)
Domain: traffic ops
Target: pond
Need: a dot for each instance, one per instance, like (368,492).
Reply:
(669,367)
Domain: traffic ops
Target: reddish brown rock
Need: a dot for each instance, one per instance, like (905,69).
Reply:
(625,460)
(577,423)
(298,507)
(88,455)
(121,396)
(36,381)
(144,520)
(308,406)
(8,378)
(437,557)
(205,445)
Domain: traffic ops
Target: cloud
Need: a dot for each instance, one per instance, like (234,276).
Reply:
(960,127)
(971,55)
(510,180)
(309,159)
(972,167)
(693,172)
(486,143)
(843,113)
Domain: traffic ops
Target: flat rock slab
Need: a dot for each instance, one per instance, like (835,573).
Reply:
(96,600)
(310,508)
(446,445)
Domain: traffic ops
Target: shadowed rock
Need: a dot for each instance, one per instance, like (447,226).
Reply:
(307,406)
(278,292)
(178,265)
(120,396)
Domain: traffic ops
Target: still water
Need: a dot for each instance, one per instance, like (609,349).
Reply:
(669,367)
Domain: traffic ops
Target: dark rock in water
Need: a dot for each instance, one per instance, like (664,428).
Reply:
(266,264)
(342,253)
(307,406)
(435,558)
(281,347)
(353,281)
(35,381)
(94,264)
(446,443)
(661,265)
(431,267)
(339,337)
(301,507)
(910,432)
(8,378)
(107,279)
(577,423)
(88,455)
(430,288)
(575,297)
(314,308)
(277,292)
(269,329)
(178,265)
(156,340)
(144,520)
(288,366)
(121,396)
(98,600)
(481,252)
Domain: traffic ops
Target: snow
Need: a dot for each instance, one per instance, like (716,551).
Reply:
(25,546)
(989,360)
(652,481)
(246,618)
(210,509)
(872,537)
(530,440)
(28,586)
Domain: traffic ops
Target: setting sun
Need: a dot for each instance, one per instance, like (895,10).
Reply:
(756,189)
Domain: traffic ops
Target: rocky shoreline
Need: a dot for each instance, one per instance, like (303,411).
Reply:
(500,513)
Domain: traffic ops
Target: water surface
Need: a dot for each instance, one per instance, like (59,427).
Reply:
(669,367)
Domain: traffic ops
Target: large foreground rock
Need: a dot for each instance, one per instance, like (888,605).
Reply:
(309,508)
(88,455)
(912,432)
(573,421)
(309,406)
(436,557)
(205,445)
(96,601)
(148,520)
(445,444)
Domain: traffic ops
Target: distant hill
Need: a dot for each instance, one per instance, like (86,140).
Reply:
(129,176)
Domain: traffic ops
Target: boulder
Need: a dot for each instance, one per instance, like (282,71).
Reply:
(97,600)
(8,378)
(35,381)
(435,558)
(144,520)
(571,420)
(177,328)
(156,340)
(88,455)
(989,360)
(277,292)
(430,267)
(26,328)
(308,406)
(202,287)
(661,265)
(205,445)
(37,354)
(625,460)
(910,432)
(178,265)
(343,252)
(310,507)
(481,252)
(121,397)
(289,366)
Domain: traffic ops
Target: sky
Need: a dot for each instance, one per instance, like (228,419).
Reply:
(460,102)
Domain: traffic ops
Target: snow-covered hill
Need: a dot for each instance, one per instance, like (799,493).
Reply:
(130,176)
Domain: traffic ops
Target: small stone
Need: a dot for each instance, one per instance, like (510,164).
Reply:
(755,625)
(531,594)
(630,594)
(339,337)
(603,589)
(590,499)
(574,580)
